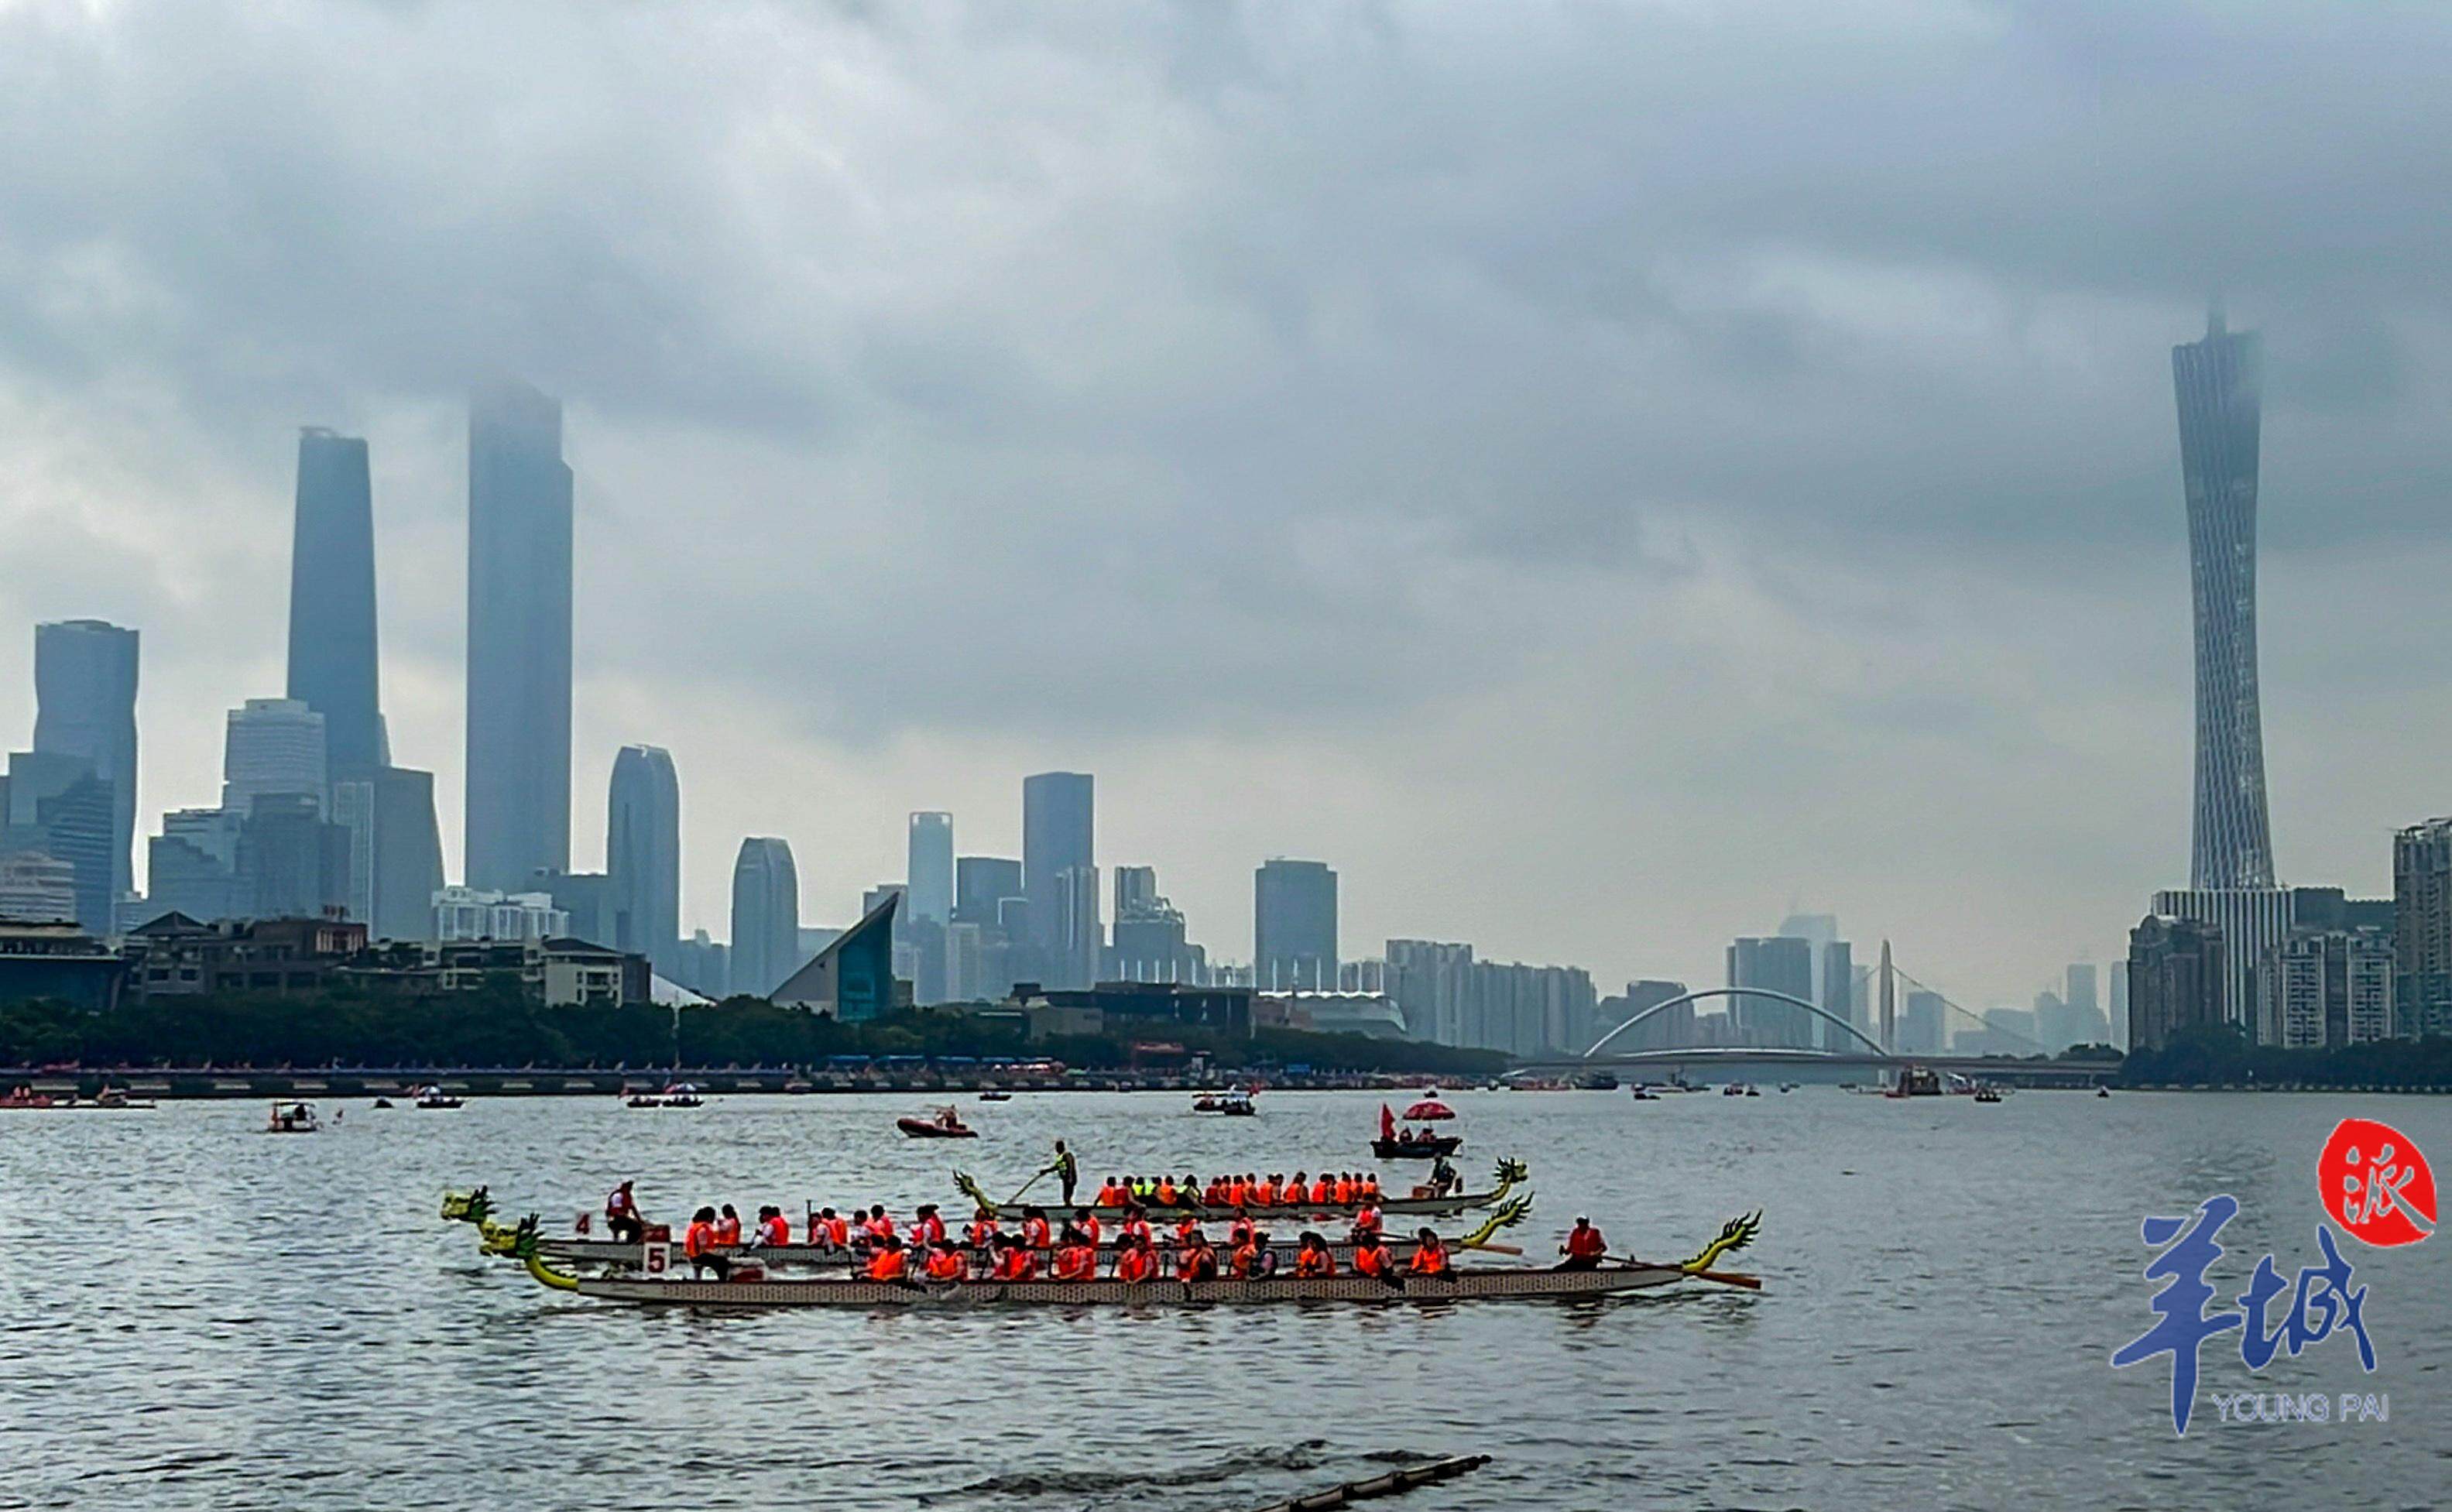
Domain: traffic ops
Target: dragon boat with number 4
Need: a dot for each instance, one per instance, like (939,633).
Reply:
(1611,1277)
(1511,1173)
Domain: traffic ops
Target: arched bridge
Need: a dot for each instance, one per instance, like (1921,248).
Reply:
(1824,1014)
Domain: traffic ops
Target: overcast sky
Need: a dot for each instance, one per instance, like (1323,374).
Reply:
(1598,475)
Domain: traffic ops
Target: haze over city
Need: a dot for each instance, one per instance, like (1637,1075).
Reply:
(1602,481)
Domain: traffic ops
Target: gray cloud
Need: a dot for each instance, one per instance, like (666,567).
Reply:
(1745,430)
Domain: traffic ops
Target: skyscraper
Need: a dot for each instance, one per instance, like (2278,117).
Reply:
(643,855)
(765,916)
(85,705)
(273,747)
(2422,927)
(1057,843)
(57,806)
(930,868)
(519,639)
(1293,925)
(2219,382)
(1783,964)
(333,596)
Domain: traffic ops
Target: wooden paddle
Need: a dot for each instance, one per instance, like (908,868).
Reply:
(1726,1277)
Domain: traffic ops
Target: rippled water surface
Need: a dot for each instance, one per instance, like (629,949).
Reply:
(194,1315)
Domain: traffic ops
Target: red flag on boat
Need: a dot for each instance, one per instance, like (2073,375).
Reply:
(1387,1123)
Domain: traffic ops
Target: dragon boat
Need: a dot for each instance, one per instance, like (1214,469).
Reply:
(1462,1284)
(624,1254)
(1510,1174)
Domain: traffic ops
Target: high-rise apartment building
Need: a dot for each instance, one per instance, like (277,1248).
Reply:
(2219,383)
(2177,979)
(2330,988)
(2422,927)
(2251,922)
(85,706)
(766,916)
(519,638)
(1293,925)
(643,857)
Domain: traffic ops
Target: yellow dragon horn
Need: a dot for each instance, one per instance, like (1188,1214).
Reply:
(1734,1235)
(1507,1216)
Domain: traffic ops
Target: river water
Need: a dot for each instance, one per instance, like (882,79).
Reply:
(199,1316)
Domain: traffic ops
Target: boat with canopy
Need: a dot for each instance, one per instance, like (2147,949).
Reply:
(1510,1174)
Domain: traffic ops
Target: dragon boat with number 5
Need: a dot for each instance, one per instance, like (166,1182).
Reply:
(1511,1173)
(1458,1285)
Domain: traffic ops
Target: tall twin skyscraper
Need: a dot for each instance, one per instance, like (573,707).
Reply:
(519,638)
(394,852)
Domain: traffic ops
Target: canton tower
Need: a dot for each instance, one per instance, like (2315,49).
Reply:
(2219,383)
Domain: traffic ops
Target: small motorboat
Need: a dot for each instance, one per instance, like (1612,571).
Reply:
(1733,1089)
(946,1125)
(111,1100)
(1234,1103)
(435,1097)
(1751,1091)
(1645,1094)
(27,1097)
(1425,1147)
(1987,1095)
(1788,1086)
(292,1118)
(2103,1092)
(382,1101)
(994,1096)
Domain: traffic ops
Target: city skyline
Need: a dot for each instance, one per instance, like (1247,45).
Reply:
(1695,548)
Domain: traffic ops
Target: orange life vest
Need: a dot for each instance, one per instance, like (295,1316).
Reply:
(1428,1260)
(889,1264)
(1587,1243)
(1075,1262)
(776,1230)
(979,1231)
(697,1240)
(1195,1264)
(1372,1260)
(1344,1188)
(727,1232)
(1034,1232)
(1247,1259)
(1320,1191)
(1166,1191)
(1017,1264)
(1315,1263)
(945,1264)
(1371,1187)
(1135,1264)
(838,1231)
(1266,1195)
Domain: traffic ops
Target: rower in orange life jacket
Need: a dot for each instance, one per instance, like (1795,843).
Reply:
(1430,1256)
(945,1262)
(727,1228)
(1196,1260)
(1213,1195)
(1087,1221)
(877,1225)
(1295,1193)
(1134,1226)
(1077,1261)
(1034,1229)
(1584,1247)
(891,1262)
(1184,1230)
(928,1227)
(980,1232)
(1240,1228)
(1314,1258)
(1343,1191)
(1371,1187)
(1015,1261)
(697,1243)
(1266,1196)
(838,1228)
(1321,1192)
(1135,1261)
(1246,1262)
(1111,1196)
(773,1227)
(1368,1220)
(1372,1257)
